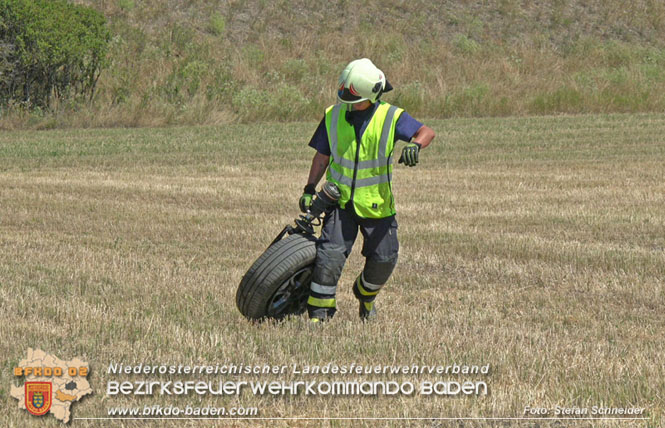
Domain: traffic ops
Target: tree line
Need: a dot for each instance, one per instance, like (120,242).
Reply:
(49,49)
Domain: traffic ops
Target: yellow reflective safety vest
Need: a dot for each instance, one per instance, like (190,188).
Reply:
(363,172)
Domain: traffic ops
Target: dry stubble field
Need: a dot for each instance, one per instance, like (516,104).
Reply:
(535,245)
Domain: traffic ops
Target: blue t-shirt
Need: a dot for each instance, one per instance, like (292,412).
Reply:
(405,128)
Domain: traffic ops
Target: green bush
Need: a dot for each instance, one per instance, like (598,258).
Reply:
(250,104)
(216,24)
(184,82)
(126,5)
(465,45)
(49,47)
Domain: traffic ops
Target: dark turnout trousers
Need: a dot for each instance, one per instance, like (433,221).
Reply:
(380,249)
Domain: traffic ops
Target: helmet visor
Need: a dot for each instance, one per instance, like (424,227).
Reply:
(347,95)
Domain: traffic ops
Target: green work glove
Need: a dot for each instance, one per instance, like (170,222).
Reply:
(410,154)
(306,198)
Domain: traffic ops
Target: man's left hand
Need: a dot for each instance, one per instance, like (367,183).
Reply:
(410,154)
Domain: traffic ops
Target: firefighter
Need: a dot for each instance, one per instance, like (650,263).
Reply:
(354,143)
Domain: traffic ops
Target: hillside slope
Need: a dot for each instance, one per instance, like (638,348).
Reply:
(213,61)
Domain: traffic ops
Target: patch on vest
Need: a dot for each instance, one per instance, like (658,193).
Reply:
(375,206)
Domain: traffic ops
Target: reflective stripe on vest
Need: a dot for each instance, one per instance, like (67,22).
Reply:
(372,196)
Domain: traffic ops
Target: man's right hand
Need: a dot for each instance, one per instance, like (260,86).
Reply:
(306,198)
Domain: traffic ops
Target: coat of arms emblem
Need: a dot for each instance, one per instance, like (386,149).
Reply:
(38,397)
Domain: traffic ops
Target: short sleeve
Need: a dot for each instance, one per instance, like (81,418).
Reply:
(319,140)
(406,127)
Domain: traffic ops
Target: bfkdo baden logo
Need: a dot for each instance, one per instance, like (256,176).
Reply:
(51,385)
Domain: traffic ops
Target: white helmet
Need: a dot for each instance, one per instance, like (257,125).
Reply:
(361,80)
